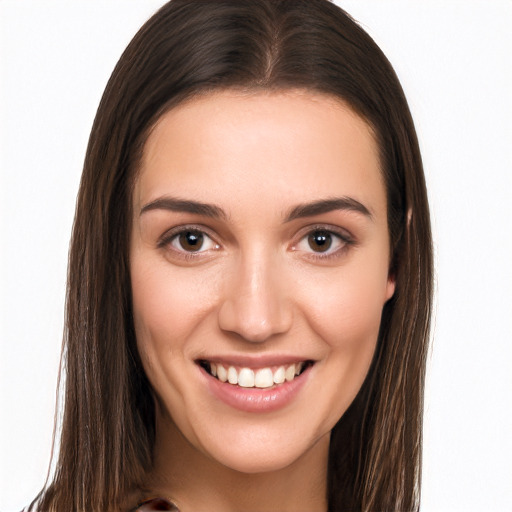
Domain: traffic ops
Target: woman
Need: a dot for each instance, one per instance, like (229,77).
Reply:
(250,272)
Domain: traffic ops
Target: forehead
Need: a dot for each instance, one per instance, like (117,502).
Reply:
(253,147)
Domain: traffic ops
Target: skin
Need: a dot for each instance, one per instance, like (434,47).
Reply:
(257,287)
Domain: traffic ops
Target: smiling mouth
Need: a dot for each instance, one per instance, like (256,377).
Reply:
(262,378)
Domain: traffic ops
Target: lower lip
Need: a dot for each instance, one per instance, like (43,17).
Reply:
(256,399)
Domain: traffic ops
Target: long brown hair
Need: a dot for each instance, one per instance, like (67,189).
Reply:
(191,47)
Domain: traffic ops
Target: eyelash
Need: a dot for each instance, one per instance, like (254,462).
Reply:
(167,239)
(343,236)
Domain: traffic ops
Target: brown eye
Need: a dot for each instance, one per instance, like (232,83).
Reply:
(191,241)
(188,240)
(188,243)
(320,241)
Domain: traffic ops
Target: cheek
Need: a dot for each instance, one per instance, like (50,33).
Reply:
(168,305)
(163,315)
(347,310)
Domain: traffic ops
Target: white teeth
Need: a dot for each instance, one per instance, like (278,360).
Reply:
(279,375)
(232,375)
(263,378)
(246,378)
(289,373)
(222,374)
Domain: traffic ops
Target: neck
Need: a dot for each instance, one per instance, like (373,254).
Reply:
(196,482)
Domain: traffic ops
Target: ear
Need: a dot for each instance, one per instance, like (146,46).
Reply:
(390,286)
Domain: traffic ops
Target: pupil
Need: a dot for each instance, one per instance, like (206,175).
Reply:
(191,240)
(320,241)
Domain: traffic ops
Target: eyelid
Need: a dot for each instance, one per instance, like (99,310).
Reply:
(344,235)
(166,239)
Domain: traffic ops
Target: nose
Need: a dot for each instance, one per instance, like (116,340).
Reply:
(255,304)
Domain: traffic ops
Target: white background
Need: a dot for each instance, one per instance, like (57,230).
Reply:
(455,62)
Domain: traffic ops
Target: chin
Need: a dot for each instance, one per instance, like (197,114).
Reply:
(263,462)
(255,450)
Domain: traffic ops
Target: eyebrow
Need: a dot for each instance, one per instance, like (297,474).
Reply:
(326,206)
(184,205)
(300,211)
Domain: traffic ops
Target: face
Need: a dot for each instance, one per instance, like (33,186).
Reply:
(259,267)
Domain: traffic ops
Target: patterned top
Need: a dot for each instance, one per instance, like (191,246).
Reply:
(151,505)
(155,504)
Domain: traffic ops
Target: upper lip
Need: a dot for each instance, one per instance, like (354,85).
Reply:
(255,361)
